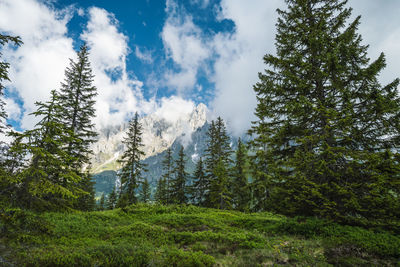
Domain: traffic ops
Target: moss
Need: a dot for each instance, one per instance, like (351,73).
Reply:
(154,235)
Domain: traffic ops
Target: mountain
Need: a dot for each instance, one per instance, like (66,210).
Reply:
(159,133)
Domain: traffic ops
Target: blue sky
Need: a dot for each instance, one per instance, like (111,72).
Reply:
(151,54)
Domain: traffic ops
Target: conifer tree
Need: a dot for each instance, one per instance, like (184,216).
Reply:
(199,187)
(145,193)
(132,167)
(4,39)
(77,97)
(220,195)
(178,185)
(102,202)
(112,199)
(161,195)
(168,170)
(48,181)
(326,129)
(240,186)
(12,162)
(218,155)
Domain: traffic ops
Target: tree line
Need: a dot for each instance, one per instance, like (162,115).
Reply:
(220,179)
(325,141)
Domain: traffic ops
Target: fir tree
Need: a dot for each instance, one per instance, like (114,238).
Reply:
(326,129)
(161,195)
(200,185)
(240,186)
(218,153)
(132,167)
(178,185)
(48,181)
(102,202)
(145,193)
(77,98)
(4,39)
(220,196)
(168,170)
(112,199)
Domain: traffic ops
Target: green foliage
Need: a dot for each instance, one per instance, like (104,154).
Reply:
(181,235)
(199,187)
(217,163)
(166,178)
(132,167)
(240,186)
(145,194)
(178,189)
(112,199)
(4,39)
(48,181)
(327,137)
(161,195)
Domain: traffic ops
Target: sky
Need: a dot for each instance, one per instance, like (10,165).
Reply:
(169,55)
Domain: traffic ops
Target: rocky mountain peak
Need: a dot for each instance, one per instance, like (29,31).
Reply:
(159,133)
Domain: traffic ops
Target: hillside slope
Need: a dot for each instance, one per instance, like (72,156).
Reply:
(152,235)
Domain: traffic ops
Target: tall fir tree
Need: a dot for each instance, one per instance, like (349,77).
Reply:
(220,195)
(200,185)
(112,199)
(240,185)
(327,133)
(217,156)
(102,202)
(48,182)
(132,167)
(4,39)
(77,97)
(145,193)
(167,176)
(178,185)
(161,195)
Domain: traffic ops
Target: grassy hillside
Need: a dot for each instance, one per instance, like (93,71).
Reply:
(147,235)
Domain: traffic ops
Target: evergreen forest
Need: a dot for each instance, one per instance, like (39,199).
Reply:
(316,183)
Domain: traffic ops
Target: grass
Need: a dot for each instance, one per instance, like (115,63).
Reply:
(153,235)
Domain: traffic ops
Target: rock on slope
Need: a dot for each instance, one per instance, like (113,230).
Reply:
(159,134)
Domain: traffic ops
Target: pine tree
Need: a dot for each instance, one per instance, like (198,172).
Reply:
(132,167)
(218,153)
(112,199)
(4,39)
(240,186)
(220,195)
(77,98)
(145,193)
(12,162)
(48,181)
(178,185)
(326,128)
(161,195)
(200,185)
(86,201)
(102,202)
(168,169)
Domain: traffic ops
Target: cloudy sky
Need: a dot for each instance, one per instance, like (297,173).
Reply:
(148,55)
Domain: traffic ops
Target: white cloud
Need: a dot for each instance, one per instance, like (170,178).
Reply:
(13,110)
(240,59)
(173,108)
(38,65)
(119,94)
(185,45)
(380,28)
(201,3)
(143,55)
